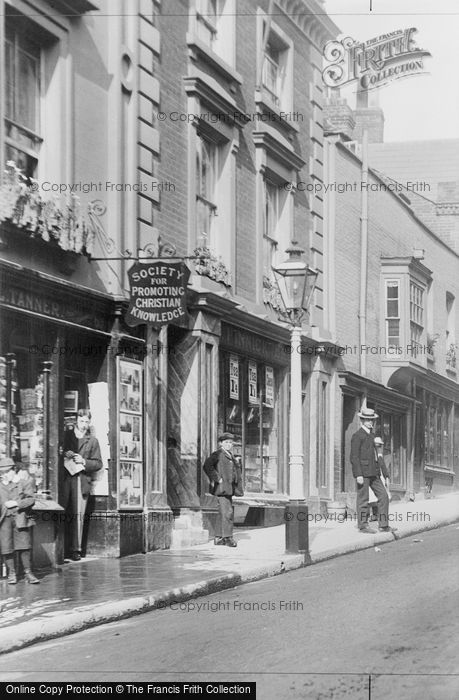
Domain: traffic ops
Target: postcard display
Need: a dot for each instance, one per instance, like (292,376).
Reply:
(21,414)
(130,433)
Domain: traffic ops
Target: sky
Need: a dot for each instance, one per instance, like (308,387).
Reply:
(420,107)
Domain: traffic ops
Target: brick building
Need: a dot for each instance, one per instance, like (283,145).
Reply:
(142,127)
(394,294)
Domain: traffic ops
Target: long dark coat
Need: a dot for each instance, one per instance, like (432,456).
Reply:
(88,447)
(363,456)
(221,466)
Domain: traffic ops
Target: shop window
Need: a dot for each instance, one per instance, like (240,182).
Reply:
(248,408)
(392,314)
(392,429)
(438,444)
(25,413)
(22,99)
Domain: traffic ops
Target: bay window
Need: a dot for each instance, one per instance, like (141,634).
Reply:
(392,314)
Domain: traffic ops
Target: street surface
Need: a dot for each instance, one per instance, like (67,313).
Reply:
(313,633)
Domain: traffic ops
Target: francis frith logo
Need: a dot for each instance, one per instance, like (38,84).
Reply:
(373,63)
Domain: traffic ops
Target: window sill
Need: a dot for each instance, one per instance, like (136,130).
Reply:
(198,48)
(266,106)
(439,470)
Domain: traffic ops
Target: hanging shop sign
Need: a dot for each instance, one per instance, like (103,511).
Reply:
(253,398)
(234,377)
(269,387)
(158,293)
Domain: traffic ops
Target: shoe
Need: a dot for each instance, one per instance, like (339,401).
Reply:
(12,579)
(387,529)
(76,556)
(30,578)
(230,542)
(219,540)
(367,530)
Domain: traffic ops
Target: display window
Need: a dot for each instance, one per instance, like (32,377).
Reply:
(249,409)
(392,429)
(24,382)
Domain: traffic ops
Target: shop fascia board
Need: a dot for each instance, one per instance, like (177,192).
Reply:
(50,281)
(388,397)
(235,313)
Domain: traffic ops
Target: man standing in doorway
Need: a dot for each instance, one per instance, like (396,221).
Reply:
(81,459)
(365,469)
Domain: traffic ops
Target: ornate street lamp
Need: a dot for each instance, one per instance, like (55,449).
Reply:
(296,282)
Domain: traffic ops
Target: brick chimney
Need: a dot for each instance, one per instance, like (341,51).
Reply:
(369,115)
(338,117)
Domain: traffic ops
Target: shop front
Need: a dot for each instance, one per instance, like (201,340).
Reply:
(253,405)
(60,350)
(394,425)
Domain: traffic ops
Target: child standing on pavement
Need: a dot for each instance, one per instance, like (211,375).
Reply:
(16,500)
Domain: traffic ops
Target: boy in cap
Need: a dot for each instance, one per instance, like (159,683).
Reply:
(16,500)
(224,476)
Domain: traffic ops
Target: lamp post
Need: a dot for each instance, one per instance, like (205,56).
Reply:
(296,282)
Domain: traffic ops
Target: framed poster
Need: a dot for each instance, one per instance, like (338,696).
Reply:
(269,387)
(253,397)
(234,377)
(130,433)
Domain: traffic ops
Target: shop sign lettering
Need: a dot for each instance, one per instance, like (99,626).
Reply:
(234,378)
(72,310)
(269,387)
(253,398)
(247,343)
(158,293)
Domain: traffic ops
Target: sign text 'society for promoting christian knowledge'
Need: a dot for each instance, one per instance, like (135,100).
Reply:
(158,293)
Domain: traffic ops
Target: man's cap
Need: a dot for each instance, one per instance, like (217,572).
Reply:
(368,414)
(225,436)
(379,441)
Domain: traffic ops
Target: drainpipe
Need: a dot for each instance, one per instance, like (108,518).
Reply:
(363,255)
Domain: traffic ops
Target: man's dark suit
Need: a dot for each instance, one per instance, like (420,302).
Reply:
(365,464)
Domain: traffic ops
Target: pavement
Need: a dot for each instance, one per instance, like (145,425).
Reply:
(79,595)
